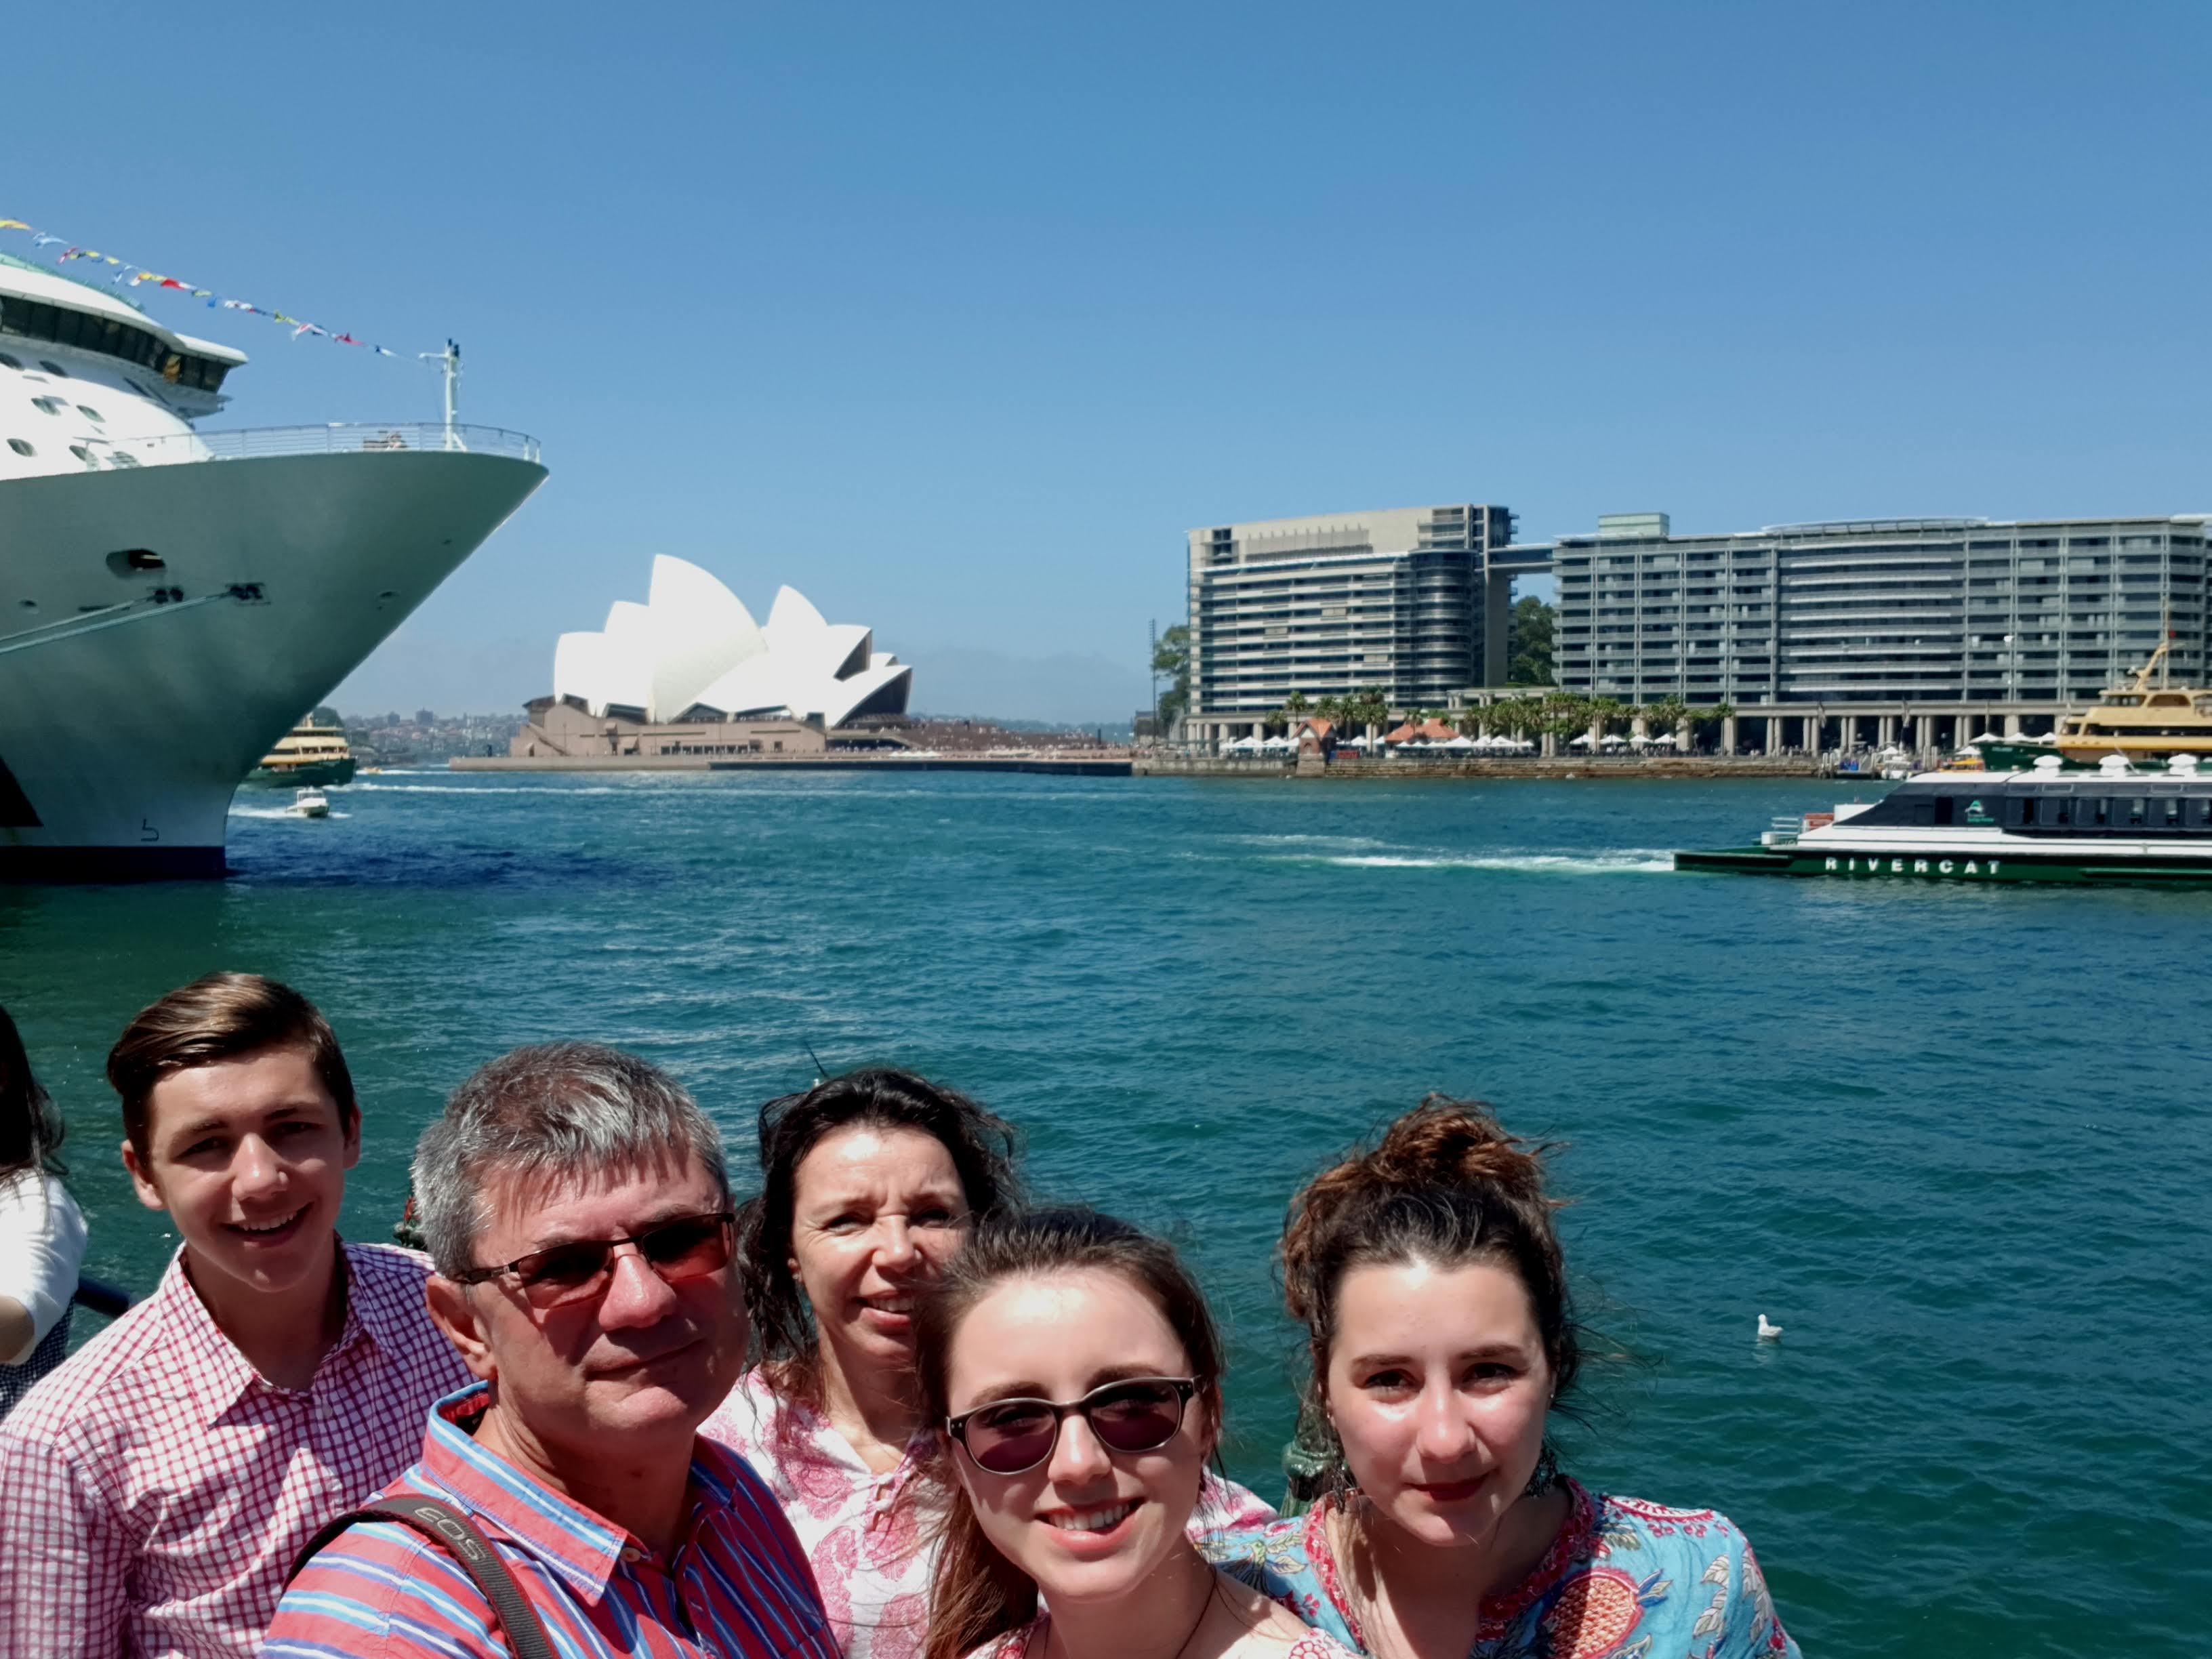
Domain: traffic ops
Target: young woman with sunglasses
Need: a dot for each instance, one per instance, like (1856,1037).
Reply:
(870,1182)
(1431,1285)
(1077,1376)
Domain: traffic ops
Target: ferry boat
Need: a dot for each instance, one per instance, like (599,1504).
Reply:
(2140,722)
(306,755)
(171,597)
(2118,823)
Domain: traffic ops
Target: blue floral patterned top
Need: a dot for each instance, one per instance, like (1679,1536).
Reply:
(1623,1580)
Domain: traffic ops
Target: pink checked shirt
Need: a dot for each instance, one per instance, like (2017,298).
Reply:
(868,1536)
(154,1489)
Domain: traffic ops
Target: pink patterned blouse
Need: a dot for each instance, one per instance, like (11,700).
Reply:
(1029,1642)
(869,1536)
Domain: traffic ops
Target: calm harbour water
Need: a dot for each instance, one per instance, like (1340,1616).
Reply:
(1955,1139)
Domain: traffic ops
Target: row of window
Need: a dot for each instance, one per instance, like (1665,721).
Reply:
(34,320)
(2109,814)
(55,405)
(120,458)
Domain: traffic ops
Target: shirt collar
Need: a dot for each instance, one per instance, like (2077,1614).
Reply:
(578,1545)
(387,1304)
(796,1428)
(216,1375)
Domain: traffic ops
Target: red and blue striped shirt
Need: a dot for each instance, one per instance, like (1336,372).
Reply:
(738,1586)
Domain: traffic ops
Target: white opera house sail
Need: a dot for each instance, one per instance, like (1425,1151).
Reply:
(693,653)
(172,599)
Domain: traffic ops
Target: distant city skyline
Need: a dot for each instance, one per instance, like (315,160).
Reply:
(961,320)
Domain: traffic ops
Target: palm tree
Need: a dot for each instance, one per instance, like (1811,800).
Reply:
(1704,714)
(1367,707)
(1518,717)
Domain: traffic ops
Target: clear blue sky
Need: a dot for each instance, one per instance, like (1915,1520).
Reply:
(958,317)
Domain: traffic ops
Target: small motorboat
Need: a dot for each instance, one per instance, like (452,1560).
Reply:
(311,804)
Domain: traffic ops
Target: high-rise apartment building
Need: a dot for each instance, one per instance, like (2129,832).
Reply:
(2029,615)
(1405,600)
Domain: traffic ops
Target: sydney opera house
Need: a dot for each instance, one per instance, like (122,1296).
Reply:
(690,671)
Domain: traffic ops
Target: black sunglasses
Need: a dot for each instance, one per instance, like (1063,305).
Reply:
(1140,1414)
(688,1247)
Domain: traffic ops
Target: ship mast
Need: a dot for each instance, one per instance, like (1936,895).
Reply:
(449,365)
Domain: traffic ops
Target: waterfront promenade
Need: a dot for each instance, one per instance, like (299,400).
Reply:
(1087,762)
(1351,768)
(1176,764)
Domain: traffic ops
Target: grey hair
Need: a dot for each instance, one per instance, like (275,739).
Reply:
(550,1113)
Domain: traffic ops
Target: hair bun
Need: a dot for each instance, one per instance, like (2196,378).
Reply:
(1444,1146)
(1447,1142)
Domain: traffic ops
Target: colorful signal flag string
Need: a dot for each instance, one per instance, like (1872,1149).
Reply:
(128,271)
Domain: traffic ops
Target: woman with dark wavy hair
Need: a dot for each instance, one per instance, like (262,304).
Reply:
(41,1229)
(869,1185)
(1430,1280)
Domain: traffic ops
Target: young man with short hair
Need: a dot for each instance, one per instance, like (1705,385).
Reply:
(154,1488)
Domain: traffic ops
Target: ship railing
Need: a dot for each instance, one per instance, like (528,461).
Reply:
(1784,831)
(337,438)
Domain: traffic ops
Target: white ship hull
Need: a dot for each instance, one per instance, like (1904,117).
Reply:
(133,702)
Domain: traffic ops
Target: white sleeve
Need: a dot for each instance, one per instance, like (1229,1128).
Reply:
(41,1248)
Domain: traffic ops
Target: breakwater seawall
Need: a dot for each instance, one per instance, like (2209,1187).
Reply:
(1062,765)
(1165,763)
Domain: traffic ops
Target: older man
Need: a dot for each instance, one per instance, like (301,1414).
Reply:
(578,1218)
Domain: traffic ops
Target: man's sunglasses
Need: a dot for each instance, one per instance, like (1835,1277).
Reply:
(689,1247)
(1009,1436)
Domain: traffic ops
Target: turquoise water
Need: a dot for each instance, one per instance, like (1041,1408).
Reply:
(1955,1139)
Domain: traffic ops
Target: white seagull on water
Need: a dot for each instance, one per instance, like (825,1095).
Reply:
(1767,1331)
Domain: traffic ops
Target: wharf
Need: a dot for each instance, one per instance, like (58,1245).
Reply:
(1064,765)
(1627,767)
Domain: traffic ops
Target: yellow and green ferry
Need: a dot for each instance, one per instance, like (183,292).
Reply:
(308,755)
(2117,825)
(2138,722)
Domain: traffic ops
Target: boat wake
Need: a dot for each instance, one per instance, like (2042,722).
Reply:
(238,812)
(1629,862)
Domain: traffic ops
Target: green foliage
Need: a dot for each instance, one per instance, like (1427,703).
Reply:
(1564,716)
(1529,642)
(1171,657)
(1666,715)
(1517,717)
